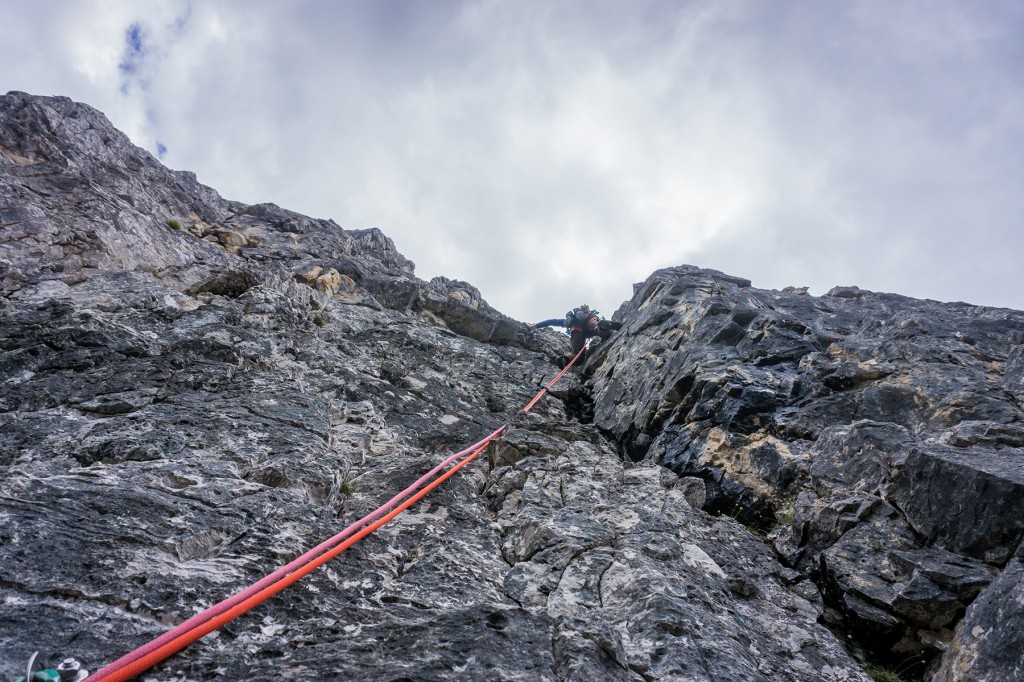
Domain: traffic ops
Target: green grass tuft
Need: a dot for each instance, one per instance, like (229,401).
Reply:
(784,514)
(173,224)
(880,674)
(912,667)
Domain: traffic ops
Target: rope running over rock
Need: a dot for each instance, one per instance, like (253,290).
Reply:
(200,625)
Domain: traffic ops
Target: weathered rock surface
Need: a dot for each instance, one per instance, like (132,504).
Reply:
(878,438)
(596,546)
(981,652)
(194,391)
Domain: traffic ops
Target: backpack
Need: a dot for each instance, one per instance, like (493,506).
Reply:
(577,318)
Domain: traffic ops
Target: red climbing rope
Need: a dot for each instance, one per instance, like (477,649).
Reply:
(200,625)
(228,603)
(155,656)
(552,382)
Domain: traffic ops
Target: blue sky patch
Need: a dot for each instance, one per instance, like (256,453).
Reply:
(161,150)
(134,37)
(134,50)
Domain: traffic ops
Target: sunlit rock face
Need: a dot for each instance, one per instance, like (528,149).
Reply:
(877,439)
(194,391)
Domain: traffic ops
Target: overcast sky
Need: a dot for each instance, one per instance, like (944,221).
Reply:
(555,152)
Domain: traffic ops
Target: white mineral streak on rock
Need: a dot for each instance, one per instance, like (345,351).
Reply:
(219,570)
(415,384)
(697,558)
(419,516)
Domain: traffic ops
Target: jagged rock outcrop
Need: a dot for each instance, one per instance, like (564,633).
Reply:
(80,200)
(194,391)
(878,438)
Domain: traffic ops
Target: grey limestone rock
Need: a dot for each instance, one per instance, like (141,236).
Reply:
(875,437)
(194,391)
(988,646)
(623,565)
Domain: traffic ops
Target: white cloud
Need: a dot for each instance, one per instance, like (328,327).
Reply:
(551,153)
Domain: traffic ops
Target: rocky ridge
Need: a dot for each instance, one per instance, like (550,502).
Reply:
(877,439)
(194,391)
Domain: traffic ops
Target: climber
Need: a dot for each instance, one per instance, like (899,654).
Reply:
(581,324)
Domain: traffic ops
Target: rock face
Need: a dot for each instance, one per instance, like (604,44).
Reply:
(194,391)
(982,651)
(878,438)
